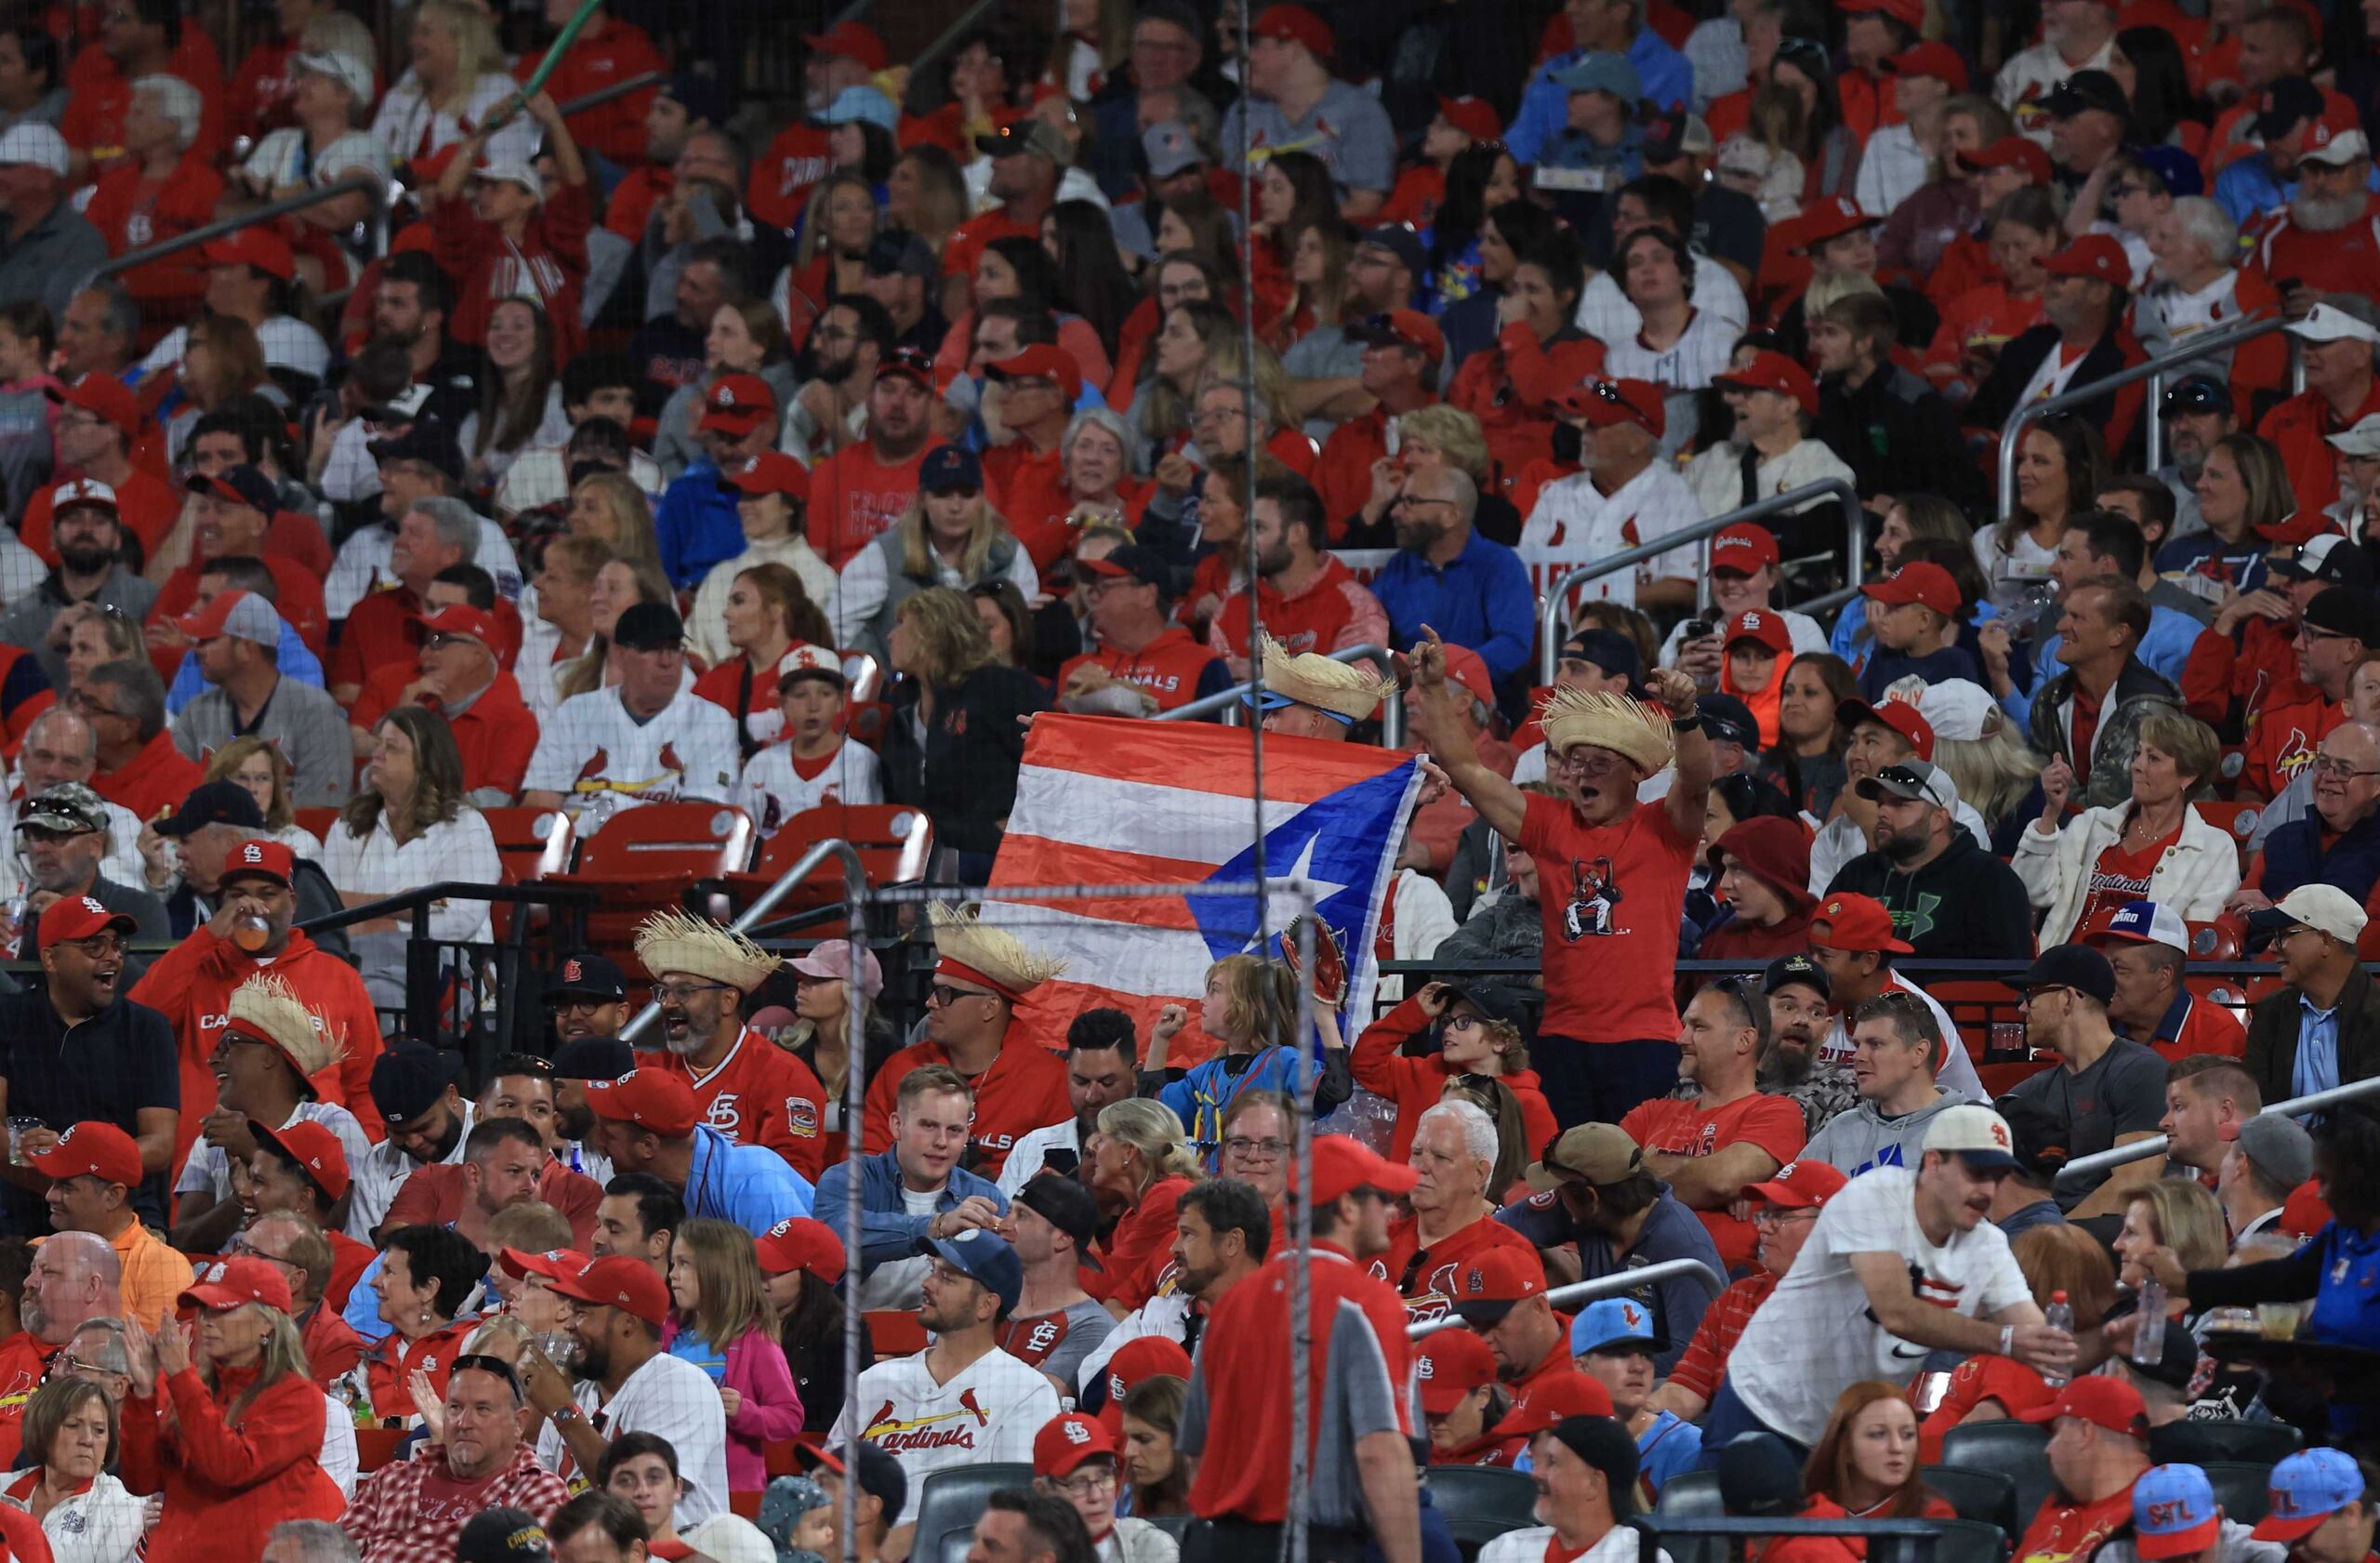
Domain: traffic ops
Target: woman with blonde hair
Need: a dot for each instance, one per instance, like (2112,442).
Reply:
(1993,769)
(619,585)
(926,194)
(720,1322)
(86,634)
(609,508)
(2153,846)
(1430,440)
(769,613)
(409,823)
(457,80)
(949,535)
(2243,494)
(262,772)
(954,746)
(221,1419)
(1137,1163)
(1251,1011)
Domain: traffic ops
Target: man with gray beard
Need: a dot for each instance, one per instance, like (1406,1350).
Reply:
(2339,340)
(2328,241)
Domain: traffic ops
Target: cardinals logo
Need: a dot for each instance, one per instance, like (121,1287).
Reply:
(669,760)
(597,764)
(896,1436)
(570,971)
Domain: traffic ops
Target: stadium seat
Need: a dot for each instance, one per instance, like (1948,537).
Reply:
(896,1332)
(375,1447)
(894,843)
(1691,1495)
(2255,1443)
(2214,941)
(2244,1489)
(745,1504)
(2237,820)
(2016,1450)
(533,844)
(646,859)
(1985,1496)
(952,1499)
(1173,1525)
(1967,1540)
(1481,1502)
(317,822)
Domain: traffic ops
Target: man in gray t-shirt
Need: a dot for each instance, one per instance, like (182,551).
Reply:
(1055,1324)
(2104,1091)
(1294,104)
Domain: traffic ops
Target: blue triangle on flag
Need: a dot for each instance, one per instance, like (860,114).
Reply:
(1336,844)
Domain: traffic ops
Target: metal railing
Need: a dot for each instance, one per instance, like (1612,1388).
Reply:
(1549,632)
(1392,711)
(950,36)
(354,184)
(855,895)
(2155,412)
(1893,1540)
(2201,347)
(2139,1150)
(1601,1286)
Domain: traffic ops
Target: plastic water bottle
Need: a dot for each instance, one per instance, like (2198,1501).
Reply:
(2060,1317)
(2149,1341)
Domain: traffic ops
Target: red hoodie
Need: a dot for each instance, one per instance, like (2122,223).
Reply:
(1414,1084)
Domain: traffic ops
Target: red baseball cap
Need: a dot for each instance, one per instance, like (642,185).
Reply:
(2011,151)
(1910,13)
(1803,1185)
(314,1149)
(80,917)
(1067,1442)
(1938,60)
(2094,255)
(1137,1361)
(1773,371)
(1923,582)
(1769,628)
(554,1264)
(1295,24)
(1476,117)
(1408,329)
(1552,1400)
(1450,1363)
(252,859)
(92,1149)
(2305,1212)
(1468,668)
(228,1283)
(104,397)
(1856,923)
(258,247)
(1831,218)
(1040,361)
(1902,716)
(2099,1400)
(461,619)
(772,472)
(1743,548)
(737,405)
(1486,1289)
(614,1281)
(852,40)
(652,1099)
(799,1244)
(1608,404)
(1341,1166)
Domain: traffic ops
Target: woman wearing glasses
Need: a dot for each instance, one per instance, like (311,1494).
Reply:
(1479,1031)
(85,1513)
(1074,1458)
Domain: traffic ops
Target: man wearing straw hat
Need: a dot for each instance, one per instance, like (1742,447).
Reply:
(1613,872)
(1309,696)
(751,1090)
(972,1025)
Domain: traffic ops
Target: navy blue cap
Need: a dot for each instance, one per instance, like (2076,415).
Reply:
(947,468)
(585,974)
(986,1257)
(1607,649)
(649,627)
(407,1081)
(237,486)
(215,802)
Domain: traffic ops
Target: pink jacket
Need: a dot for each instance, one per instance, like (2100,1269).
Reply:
(771,1407)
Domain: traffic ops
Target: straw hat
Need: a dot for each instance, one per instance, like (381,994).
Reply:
(1613,721)
(672,941)
(994,957)
(269,1009)
(1350,690)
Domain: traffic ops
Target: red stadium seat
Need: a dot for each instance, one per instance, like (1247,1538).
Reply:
(533,844)
(646,859)
(745,1503)
(896,1333)
(316,823)
(895,843)
(375,1447)
(2237,818)
(2218,940)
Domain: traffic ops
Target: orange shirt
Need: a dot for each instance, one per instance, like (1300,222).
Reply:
(1689,1129)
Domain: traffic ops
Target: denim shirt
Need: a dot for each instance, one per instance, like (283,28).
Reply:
(888,1232)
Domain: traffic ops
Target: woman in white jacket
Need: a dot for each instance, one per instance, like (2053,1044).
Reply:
(2154,847)
(85,1513)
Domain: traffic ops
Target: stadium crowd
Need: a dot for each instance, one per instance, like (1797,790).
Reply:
(574,458)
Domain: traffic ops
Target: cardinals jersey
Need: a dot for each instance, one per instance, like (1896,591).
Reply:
(987,1412)
(759,1094)
(777,785)
(1426,1277)
(592,750)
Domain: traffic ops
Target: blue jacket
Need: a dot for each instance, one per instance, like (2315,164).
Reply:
(750,1186)
(696,525)
(1481,599)
(1662,74)
(2293,855)
(888,1232)
(2164,649)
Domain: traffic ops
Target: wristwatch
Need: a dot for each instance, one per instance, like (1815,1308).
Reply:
(567,1414)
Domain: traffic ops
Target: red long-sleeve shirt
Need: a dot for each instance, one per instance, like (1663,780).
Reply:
(1511,389)
(549,264)
(1414,1084)
(1140,1245)
(608,50)
(226,1487)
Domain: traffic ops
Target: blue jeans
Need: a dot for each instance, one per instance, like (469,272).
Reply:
(1729,1419)
(1598,1083)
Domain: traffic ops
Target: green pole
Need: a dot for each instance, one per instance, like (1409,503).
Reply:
(537,82)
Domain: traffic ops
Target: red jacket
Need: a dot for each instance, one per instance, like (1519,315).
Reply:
(549,264)
(1380,1066)
(608,50)
(1168,668)
(157,778)
(2301,427)
(226,1487)
(184,201)
(2228,676)
(1511,388)
(2345,261)
(332,1347)
(190,984)
(783,175)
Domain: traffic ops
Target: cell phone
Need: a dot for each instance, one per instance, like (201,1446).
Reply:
(1700,629)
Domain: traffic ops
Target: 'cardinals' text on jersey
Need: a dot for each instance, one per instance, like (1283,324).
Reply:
(987,1412)
(593,747)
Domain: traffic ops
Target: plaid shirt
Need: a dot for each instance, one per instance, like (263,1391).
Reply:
(396,1519)
(1704,1362)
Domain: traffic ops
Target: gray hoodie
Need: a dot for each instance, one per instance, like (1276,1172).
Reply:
(1864,1138)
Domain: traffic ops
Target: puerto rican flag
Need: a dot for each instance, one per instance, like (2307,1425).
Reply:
(1107,800)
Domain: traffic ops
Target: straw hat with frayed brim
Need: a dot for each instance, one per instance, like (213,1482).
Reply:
(1614,721)
(269,1009)
(992,955)
(673,941)
(1350,690)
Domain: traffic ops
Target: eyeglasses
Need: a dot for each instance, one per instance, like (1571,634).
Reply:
(65,1365)
(1769,1215)
(2331,765)
(1248,1149)
(679,992)
(1464,1022)
(1592,763)
(242,1245)
(2316,632)
(941,995)
(1088,1484)
(97,945)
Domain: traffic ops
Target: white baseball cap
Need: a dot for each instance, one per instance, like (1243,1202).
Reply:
(511,170)
(33,142)
(1912,778)
(343,68)
(2143,923)
(2326,910)
(2323,323)
(1975,1135)
(81,491)
(2361,439)
(1958,709)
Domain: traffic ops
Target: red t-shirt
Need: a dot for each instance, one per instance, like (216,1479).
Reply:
(1612,897)
(2282,740)
(1675,1128)
(1023,1090)
(853,497)
(783,175)
(1169,667)
(1334,611)
(1430,1278)
(2121,876)
(759,1094)
(966,246)
(2063,1532)
(1986,1377)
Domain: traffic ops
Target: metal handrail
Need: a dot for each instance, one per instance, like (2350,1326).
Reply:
(354,184)
(1392,711)
(1549,635)
(1898,1541)
(603,95)
(417,900)
(2140,1150)
(854,893)
(1601,1286)
(2201,347)
(950,36)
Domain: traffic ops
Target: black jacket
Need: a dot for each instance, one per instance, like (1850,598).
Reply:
(2272,1036)
(961,770)
(1899,437)
(2116,415)
(1965,904)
